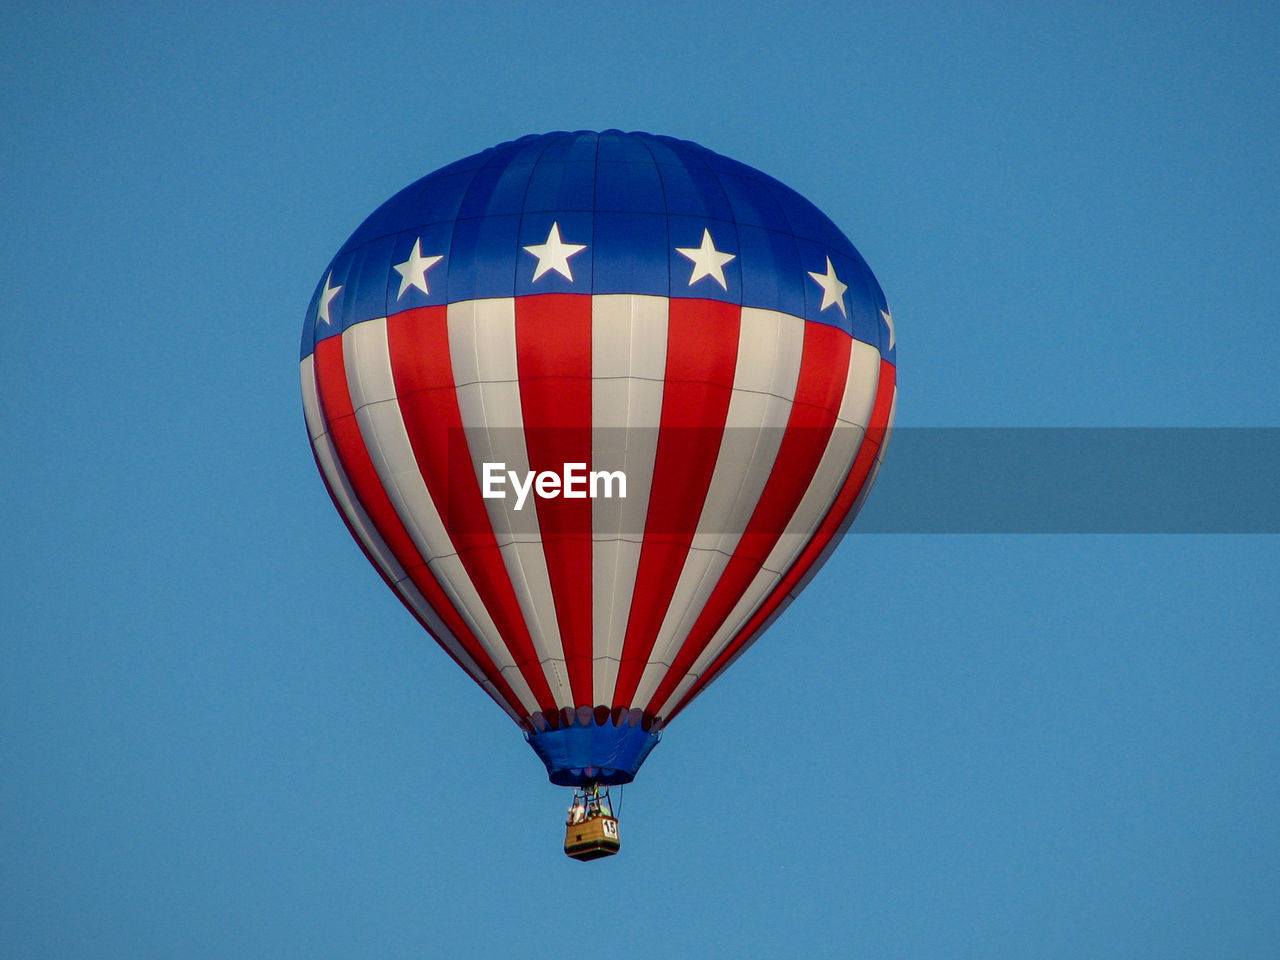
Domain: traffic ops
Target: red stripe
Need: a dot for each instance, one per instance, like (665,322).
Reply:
(408,604)
(553,358)
(349,447)
(702,354)
(418,342)
(824,369)
(824,541)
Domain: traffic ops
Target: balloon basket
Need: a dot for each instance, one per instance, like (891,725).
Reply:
(591,830)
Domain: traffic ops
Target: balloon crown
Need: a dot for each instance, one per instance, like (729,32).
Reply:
(600,213)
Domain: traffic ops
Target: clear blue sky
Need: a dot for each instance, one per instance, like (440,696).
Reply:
(221,737)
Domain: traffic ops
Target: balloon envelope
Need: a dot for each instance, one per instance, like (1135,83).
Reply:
(597,406)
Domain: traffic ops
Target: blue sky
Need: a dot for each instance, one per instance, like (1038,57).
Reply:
(220,736)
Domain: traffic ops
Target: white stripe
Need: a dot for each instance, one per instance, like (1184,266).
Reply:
(628,363)
(837,459)
(338,483)
(770,348)
(856,404)
(849,517)
(359,520)
(372,388)
(482,350)
(875,469)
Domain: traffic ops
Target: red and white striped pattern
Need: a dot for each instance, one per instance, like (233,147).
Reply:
(747,438)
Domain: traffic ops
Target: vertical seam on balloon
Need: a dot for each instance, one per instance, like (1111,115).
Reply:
(822,492)
(524,203)
(666,210)
(796,580)
(425,573)
(477,559)
(514,552)
(825,539)
(621,591)
(457,221)
(595,191)
(656,574)
(780,494)
(737,239)
(472,612)
(705,566)
(471,668)
(376,489)
(711,562)
(770,186)
(538,394)
(666,221)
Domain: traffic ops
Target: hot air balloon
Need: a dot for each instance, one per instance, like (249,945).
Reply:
(597,406)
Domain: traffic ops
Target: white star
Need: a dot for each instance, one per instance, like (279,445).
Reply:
(888,319)
(832,289)
(322,308)
(707,260)
(413,272)
(554,254)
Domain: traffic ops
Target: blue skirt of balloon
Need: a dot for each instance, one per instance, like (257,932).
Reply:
(596,753)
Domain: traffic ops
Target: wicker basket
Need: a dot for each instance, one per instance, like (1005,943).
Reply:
(591,839)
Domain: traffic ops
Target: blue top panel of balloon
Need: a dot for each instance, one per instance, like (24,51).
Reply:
(599,213)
